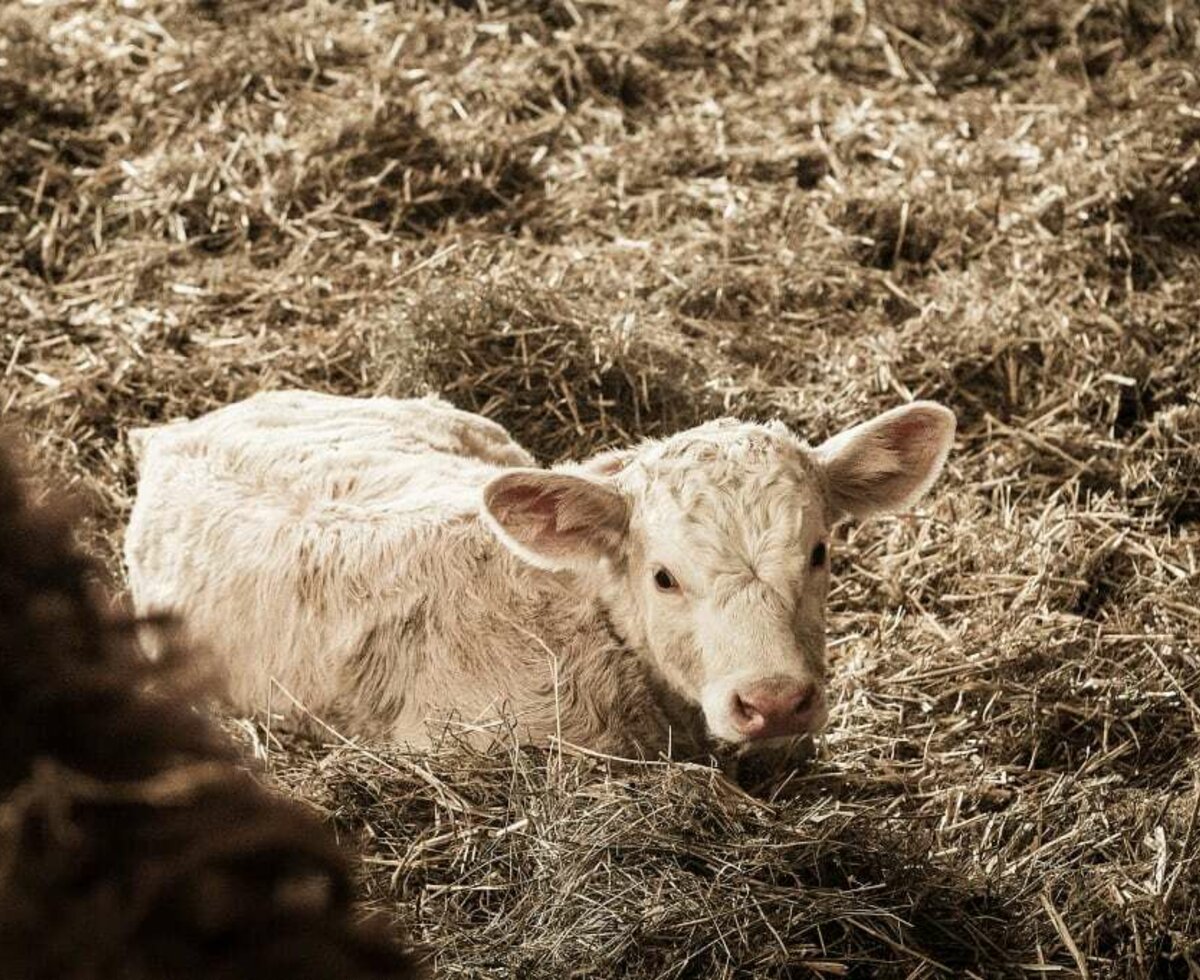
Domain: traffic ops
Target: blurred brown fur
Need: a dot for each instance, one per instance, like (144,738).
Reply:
(132,844)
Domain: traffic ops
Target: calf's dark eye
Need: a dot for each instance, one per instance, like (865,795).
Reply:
(820,554)
(665,581)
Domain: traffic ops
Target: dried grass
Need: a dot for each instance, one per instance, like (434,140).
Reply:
(597,221)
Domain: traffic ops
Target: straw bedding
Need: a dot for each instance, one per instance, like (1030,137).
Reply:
(595,221)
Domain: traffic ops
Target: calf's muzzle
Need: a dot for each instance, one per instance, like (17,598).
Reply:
(775,707)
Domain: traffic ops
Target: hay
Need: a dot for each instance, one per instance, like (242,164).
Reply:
(563,381)
(657,872)
(598,221)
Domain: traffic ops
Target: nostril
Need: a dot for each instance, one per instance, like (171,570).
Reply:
(747,717)
(739,706)
(742,709)
(804,698)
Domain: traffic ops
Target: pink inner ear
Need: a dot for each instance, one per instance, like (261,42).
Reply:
(543,506)
(557,515)
(888,462)
(531,513)
(524,502)
(911,434)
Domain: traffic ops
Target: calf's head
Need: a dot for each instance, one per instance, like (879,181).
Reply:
(710,549)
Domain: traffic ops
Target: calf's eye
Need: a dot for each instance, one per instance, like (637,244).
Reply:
(665,581)
(820,555)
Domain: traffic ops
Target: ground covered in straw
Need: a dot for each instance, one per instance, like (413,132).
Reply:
(594,220)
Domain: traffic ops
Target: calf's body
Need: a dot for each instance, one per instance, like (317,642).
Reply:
(332,549)
(397,566)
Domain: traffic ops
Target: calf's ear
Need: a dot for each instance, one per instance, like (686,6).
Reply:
(556,520)
(888,463)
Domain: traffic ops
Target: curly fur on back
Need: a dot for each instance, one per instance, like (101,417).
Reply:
(132,844)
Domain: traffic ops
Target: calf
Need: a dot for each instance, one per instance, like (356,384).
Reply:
(394,565)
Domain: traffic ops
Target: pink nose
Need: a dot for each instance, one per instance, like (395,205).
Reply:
(774,707)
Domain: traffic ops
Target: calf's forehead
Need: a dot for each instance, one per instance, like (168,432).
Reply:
(733,495)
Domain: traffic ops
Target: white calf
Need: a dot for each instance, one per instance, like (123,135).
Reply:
(393,564)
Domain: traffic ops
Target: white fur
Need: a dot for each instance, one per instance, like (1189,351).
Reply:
(343,548)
